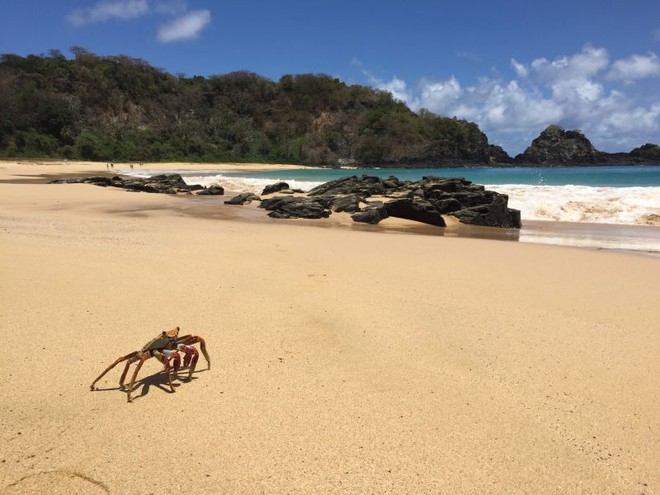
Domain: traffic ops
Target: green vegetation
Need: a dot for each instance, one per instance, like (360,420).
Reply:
(121,109)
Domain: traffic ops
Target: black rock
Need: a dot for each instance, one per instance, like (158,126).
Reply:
(163,183)
(64,180)
(349,203)
(242,199)
(273,188)
(368,185)
(167,182)
(434,184)
(371,214)
(415,209)
(447,205)
(495,214)
(295,207)
(212,191)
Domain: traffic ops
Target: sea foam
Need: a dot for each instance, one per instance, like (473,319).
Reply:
(612,205)
(242,184)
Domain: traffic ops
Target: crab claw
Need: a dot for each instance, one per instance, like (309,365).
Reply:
(174,358)
(189,352)
(191,355)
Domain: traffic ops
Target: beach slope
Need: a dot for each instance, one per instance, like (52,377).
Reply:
(344,361)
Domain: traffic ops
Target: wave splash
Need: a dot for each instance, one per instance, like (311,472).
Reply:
(585,204)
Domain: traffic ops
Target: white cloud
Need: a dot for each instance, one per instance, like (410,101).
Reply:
(494,105)
(185,27)
(625,120)
(582,91)
(105,11)
(520,69)
(589,62)
(576,91)
(398,88)
(183,24)
(636,67)
(440,94)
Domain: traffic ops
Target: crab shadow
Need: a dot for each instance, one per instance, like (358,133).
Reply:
(158,380)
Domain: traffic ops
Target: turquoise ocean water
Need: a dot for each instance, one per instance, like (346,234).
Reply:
(610,176)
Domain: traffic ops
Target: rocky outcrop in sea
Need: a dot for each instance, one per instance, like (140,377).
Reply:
(558,147)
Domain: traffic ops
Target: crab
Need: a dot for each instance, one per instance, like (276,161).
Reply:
(165,347)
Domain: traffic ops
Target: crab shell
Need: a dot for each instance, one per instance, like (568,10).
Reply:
(166,340)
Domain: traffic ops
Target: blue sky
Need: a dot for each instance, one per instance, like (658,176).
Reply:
(513,67)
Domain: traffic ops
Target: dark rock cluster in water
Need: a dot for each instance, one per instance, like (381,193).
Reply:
(371,199)
(163,183)
(368,199)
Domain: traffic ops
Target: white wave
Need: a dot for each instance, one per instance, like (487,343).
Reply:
(241,184)
(612,205)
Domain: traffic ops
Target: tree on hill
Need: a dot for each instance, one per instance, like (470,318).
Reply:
(121,108)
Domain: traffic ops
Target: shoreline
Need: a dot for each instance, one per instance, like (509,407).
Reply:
(634,239)
(344,361)
(257,166)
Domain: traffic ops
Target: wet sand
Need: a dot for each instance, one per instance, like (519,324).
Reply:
(344,361)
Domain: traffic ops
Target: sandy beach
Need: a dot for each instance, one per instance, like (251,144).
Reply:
(344,360)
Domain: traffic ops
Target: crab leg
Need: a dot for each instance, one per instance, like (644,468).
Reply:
(131,359)
(191,355)
(166,362)
(143,357)
(193,339)
(125,372)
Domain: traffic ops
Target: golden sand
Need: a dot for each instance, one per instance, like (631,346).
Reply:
(344,361)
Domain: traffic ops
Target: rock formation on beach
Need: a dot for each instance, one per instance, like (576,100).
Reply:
(369,199)
(163,183)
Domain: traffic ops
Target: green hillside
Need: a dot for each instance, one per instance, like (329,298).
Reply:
(118,108)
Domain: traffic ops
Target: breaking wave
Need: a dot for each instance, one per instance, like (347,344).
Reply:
(611,205)
(241,184)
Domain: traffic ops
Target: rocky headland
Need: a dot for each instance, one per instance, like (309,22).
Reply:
(558,147)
